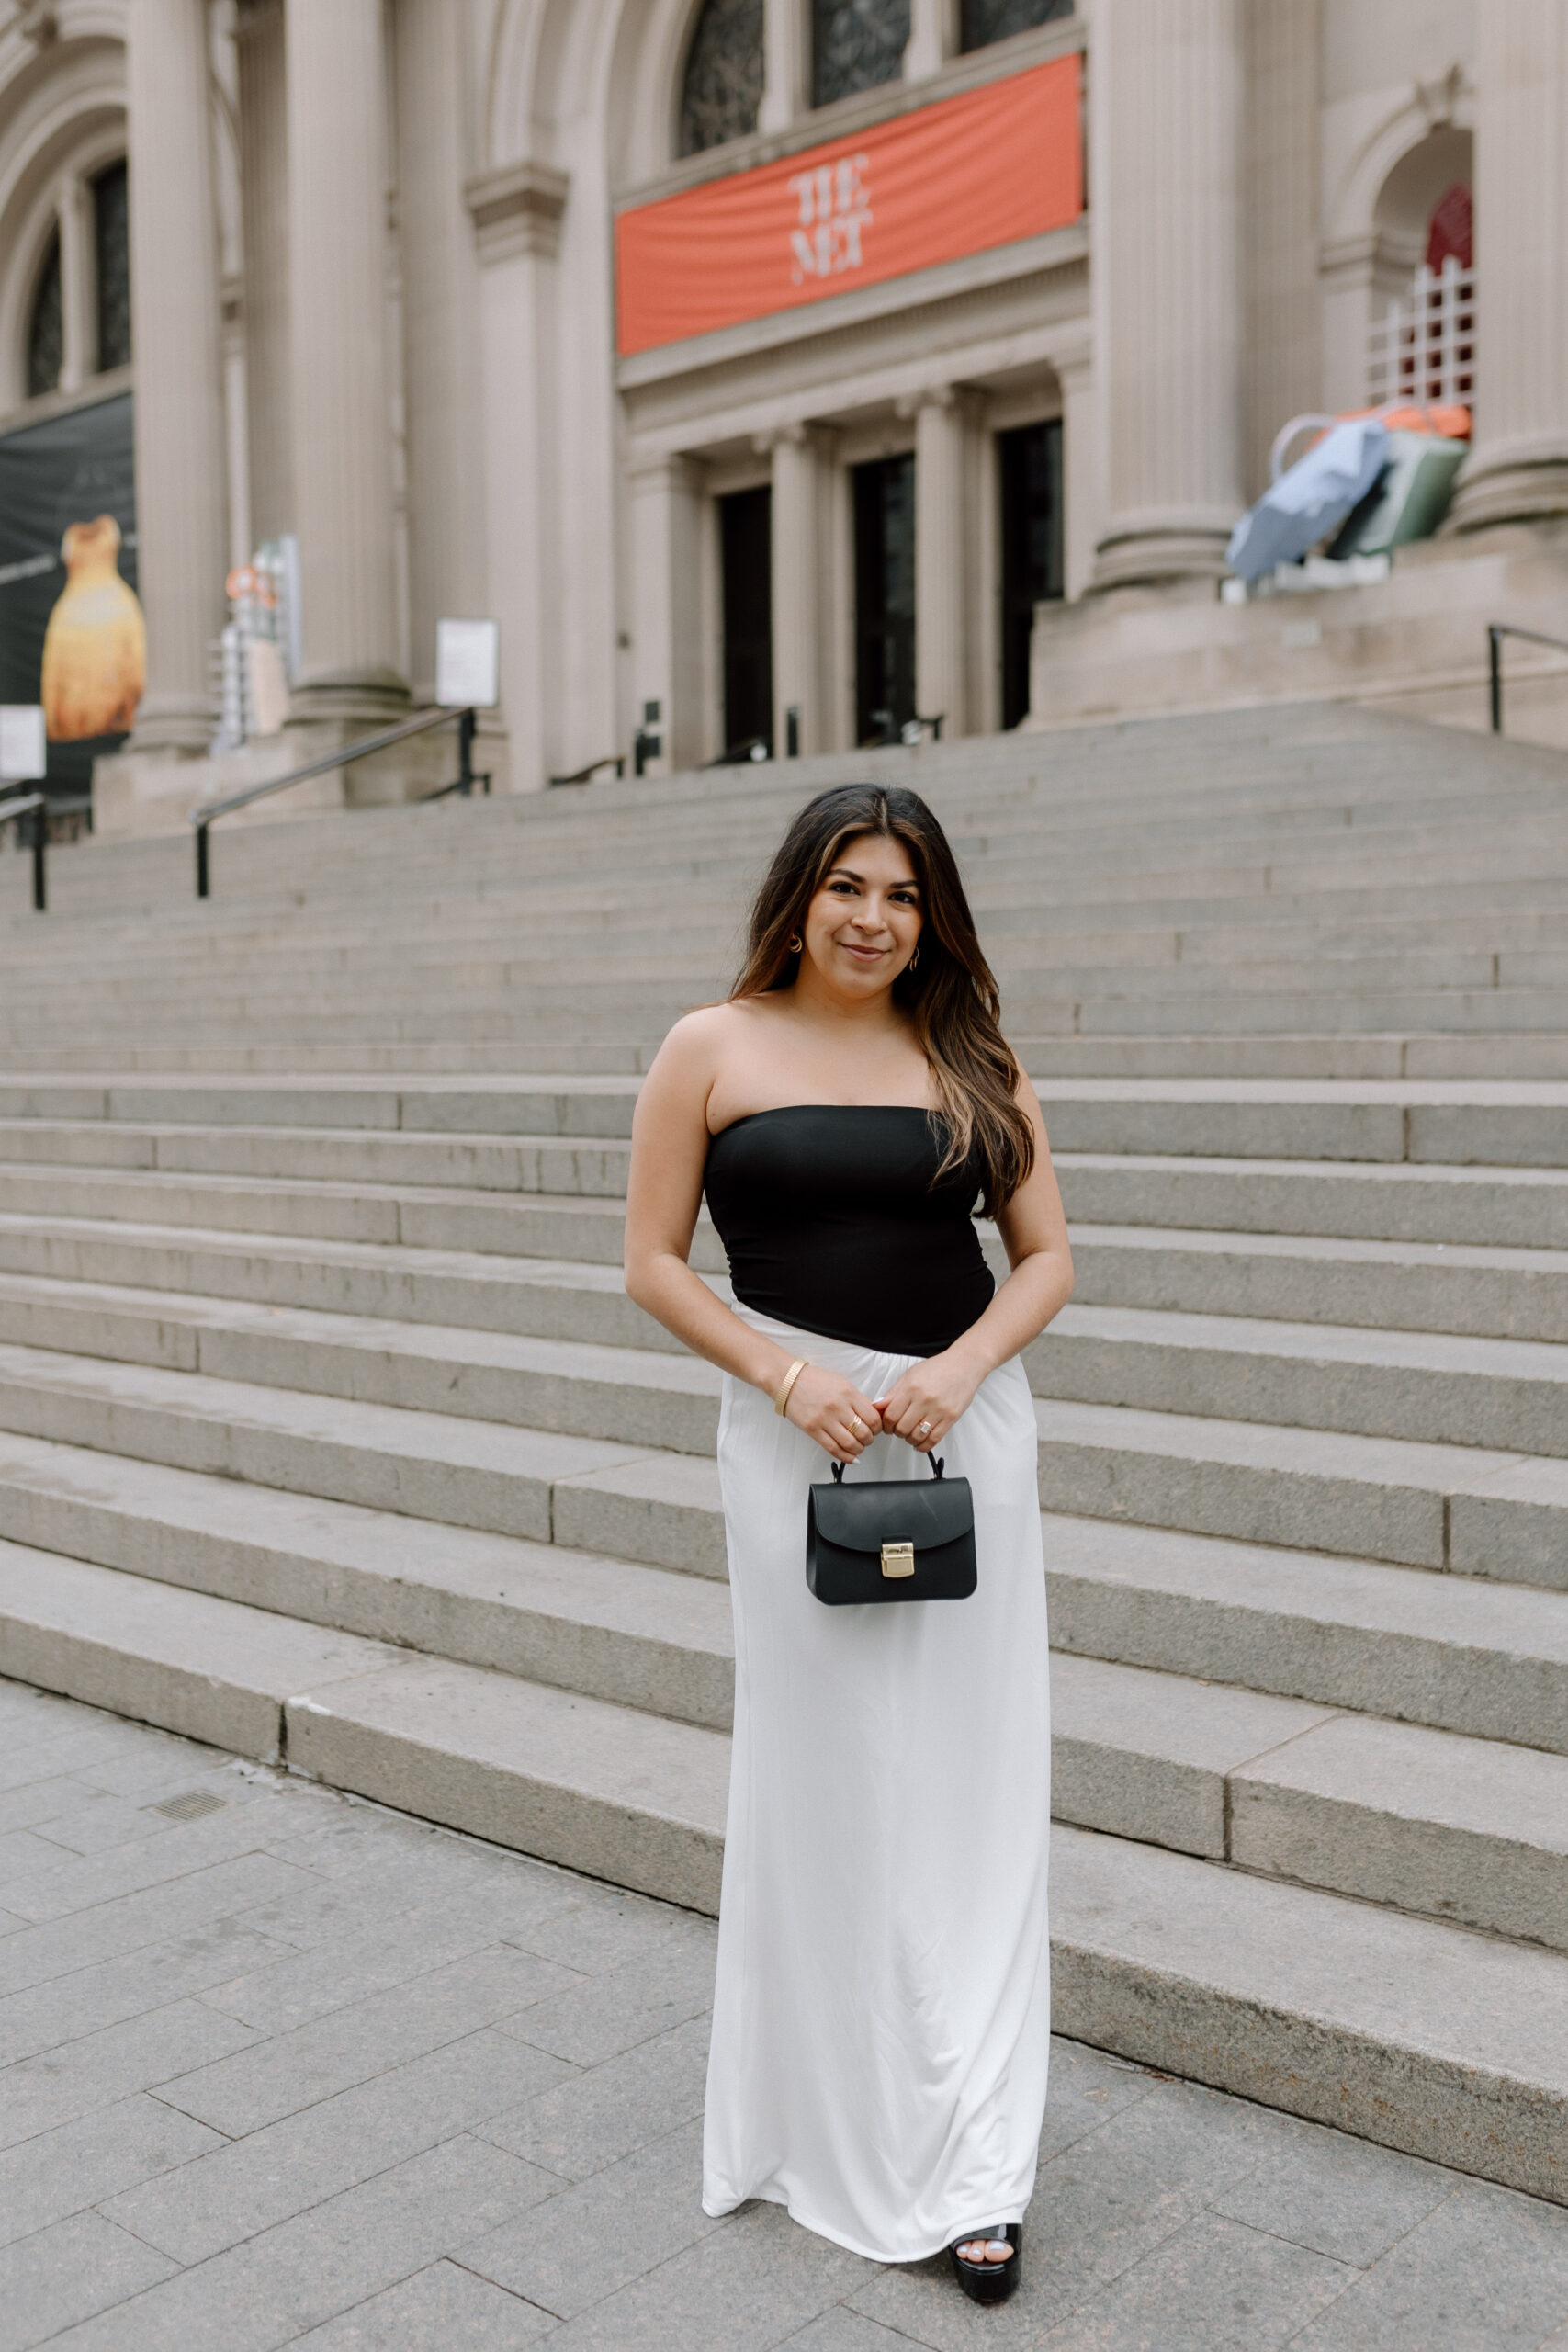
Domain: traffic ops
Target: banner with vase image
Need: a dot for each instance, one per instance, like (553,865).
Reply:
(71,629)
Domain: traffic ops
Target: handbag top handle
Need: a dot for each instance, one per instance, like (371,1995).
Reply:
(936,1469)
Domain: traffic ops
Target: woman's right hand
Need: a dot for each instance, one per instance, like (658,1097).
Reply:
(832,1410)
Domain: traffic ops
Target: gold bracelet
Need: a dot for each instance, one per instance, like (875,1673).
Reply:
(791,1376)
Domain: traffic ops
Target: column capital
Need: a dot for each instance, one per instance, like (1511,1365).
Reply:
(908,404)
(517,210)
(799,433)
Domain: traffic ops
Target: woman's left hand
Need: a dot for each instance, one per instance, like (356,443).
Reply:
(925,1404)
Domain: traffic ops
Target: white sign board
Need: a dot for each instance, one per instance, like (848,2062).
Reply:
(467,664)
(24,753)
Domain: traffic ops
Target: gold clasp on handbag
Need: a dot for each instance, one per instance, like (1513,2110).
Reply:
(897,1559)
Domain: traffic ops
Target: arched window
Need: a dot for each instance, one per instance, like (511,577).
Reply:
(46,326)
(856,45)
(111,265)
(985,21)
(723,88)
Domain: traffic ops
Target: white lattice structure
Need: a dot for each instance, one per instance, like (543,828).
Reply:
(1423,348)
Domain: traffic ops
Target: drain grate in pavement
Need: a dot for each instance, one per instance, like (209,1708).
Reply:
(188,1806)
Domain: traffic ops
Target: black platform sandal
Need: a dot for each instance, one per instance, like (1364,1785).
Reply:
(989,2282)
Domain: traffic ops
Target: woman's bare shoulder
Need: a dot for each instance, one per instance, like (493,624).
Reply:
(697,1045)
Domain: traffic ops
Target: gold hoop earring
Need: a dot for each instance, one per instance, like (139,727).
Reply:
(913,960)
(796,944)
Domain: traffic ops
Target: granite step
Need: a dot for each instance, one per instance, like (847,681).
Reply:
(1453,1653)
(1521,1209)
(1413,1286)
(1430,1386)
(1414,2032)
(616,1630)
(1472,1830)
(610,1791)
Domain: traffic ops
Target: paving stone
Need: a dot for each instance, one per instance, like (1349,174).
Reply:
(441,2306)
(67,2273)
(1087,2088)
(752,2282)
(23,1851)
(630,2005)
(143,2053)
(594,2118)
(280,2075)
(610,1929)
(277,2286)
(602,2235)
(55,1798)
(152,1915)
(1099,2207)
(68,1884)
(1486,2272)
(47,2016)
(292,1991)
(1213,2287)
(81,2163)
(846,2331)
(1337,2196)
(235,2188)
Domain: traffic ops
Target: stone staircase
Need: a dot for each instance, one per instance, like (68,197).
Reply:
(327,1433)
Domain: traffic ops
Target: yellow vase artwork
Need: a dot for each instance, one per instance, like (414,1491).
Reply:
(95,649)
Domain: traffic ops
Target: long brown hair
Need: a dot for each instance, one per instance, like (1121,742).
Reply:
(951,993)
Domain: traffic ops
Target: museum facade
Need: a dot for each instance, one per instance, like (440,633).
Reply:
(776,373)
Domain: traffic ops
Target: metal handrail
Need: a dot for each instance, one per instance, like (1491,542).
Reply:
(467,721)
(1495,632)
(36,805)
(736,755)
(585,775)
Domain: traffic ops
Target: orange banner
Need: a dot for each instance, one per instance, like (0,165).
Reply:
(983,169)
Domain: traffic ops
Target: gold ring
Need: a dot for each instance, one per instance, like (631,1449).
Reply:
(857,1425)
(924,1430)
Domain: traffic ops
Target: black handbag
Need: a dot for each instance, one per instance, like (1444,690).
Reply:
(890,1539)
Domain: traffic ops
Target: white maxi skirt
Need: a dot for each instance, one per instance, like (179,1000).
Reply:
(882,2013)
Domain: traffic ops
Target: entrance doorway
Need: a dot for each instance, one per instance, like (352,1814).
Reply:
(884,598)
(1031,472)
(746,539)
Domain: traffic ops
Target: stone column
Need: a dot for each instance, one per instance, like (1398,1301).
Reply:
(174,336)
(930,37)
(799,593)
(1519,469)
(943,564)
(264,166)
(1082,495)
(517,214)
(1165,204)
(1282,293)
(667,665)
(78,353)
(338,363)
(785,34)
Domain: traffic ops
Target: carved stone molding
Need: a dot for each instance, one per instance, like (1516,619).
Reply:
(517,210)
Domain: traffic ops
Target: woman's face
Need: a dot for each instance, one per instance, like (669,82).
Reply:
(865,923)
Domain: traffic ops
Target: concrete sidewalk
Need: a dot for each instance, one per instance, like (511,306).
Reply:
(278,2067)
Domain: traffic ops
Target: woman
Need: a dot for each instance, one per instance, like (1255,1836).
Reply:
(881,2017)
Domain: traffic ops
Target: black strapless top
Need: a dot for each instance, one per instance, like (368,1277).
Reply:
(831,1222)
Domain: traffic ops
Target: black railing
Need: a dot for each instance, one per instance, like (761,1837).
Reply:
(36,805)
(907,733)
(736,755)
(1495,632)
(464,781)
(615,759)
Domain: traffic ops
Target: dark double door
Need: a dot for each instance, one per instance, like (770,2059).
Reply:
(885,597)
(746,540)
(1029,471)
